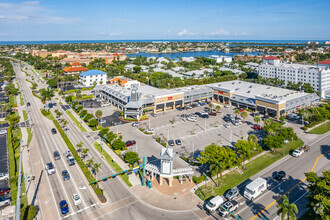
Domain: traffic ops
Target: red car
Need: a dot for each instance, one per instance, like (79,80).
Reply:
(130,143)
(257,127)
(4,191)
(213,113)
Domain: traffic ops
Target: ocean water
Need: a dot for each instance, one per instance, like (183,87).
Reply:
(173,40)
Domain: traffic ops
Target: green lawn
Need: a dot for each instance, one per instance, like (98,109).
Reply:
(21,98)
(234,178)
(29,136)
(112,163)
(321,129)
(12,100)
(25,116)
(76,121)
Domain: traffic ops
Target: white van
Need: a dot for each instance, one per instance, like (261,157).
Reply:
(214,203)
(255,188)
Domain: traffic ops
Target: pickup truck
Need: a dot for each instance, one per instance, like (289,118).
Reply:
(228,206)
(70,160)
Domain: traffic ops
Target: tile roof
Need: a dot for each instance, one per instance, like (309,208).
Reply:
(75,64)
(75,69)
(270,58)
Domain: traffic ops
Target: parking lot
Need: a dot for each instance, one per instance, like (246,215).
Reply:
(4,167)
(205,131)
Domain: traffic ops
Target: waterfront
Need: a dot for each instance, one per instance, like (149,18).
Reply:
(175,56)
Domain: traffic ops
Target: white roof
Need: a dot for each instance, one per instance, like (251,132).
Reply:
(256,183)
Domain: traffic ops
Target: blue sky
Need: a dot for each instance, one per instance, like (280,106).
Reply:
(180,19)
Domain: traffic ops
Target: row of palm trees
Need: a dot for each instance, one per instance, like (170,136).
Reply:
(90,162)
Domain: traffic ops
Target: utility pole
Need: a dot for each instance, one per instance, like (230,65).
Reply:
(18,198)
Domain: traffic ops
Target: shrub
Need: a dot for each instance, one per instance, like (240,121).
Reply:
(117,152)
(28,212)
(131,157)
(83,113)
(118,144)
(98,191)
(163,144)
(93,123)
(45,112)
(198,180)
(68,98)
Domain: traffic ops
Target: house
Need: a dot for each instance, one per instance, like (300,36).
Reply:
(124,81)
(198,74)
(171,72)
(75,68)
(188,59)
(129,67)
(179,69)
(90,77)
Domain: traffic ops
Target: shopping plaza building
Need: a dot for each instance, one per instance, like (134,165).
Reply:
(138,99)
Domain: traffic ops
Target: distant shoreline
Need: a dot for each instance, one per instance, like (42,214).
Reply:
(243,42)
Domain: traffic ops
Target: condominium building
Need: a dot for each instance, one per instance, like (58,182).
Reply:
(318,76)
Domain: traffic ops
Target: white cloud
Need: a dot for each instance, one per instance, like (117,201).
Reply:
(32,12)
(219,32)
(186,32)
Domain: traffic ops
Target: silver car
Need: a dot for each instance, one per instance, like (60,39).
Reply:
(231,194)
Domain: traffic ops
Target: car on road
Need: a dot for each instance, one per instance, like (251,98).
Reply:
(50,168)
(228,206)
(4,201)
(231,194)
(76,199)
(70,159)
(28,104)
(64,207)
(171,142)
(130,143)
(213,113)
(3,131)
(226,125)
(4,191)
(65,175)
(227,106)
(4,176)
(297,153)
(178,142)
(136,124)
(257,127)
(280,175)
(57,155)
(54,131)
(193,119)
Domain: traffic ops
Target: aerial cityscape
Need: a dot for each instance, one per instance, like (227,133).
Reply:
(165,110)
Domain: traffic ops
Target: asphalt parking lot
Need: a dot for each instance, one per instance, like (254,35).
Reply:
(65,107)
(112,120)
(3,114)
(4,167)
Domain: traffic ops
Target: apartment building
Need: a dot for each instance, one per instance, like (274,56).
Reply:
(90,77)
(318,76)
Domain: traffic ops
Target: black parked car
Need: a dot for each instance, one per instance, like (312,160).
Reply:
(178,142)
(171,142)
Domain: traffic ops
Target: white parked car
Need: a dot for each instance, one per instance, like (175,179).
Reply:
(297,153)
(227,106)
(105,104)
(193,119)
(226,125)
(76,199)
(3,131)
(150,130)
(4,176)
(4,201)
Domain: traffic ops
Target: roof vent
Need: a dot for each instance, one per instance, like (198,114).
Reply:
(236,89)
(233,83)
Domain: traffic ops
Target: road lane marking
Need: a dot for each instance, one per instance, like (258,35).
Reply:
(271,204)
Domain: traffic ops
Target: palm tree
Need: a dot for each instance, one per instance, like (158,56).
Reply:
(257,119)
(211,105)
(84,152)
(271,132)
(96,168)
(253,138)
(218,168)
(244,114)
(287,209)
(236,112)
(218,108)
(78,95)
(90,163)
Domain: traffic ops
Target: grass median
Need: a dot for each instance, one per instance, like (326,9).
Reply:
(112,163)
(324,128)
(235,178)
(25,116)
(79,125)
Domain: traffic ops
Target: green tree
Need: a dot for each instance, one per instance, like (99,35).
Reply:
(88,117)
(111,136)
(237,112)
(78,94)
(104,131)
(83,113)
(98,114)
(244,115)
(46,94)
(287,209)
(246,148)
(257,119)
(221,158)
(211,106)
(84,152)
(308,88)
(137,69)
(79,146)
(218,108)
(118,144)
(93,122)
(319,193)
(253,138)
(96,168)
(131,157)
